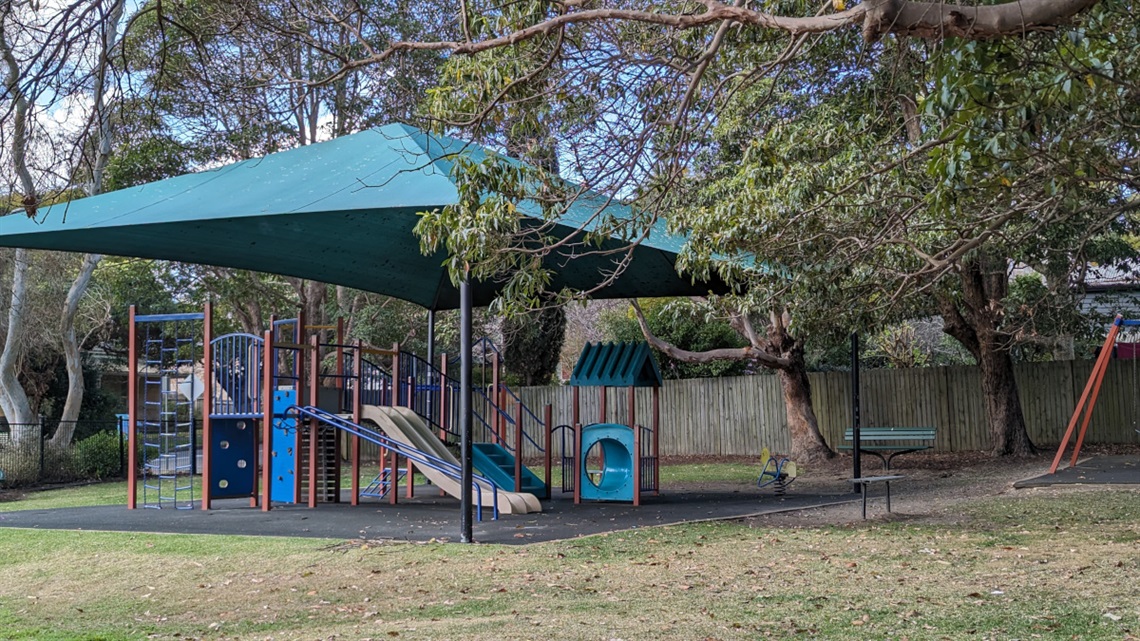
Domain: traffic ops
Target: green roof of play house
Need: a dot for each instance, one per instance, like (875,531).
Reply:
(340,212)
(616,365)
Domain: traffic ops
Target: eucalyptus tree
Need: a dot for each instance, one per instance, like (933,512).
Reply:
(924,179)
(234,89)
(56,59)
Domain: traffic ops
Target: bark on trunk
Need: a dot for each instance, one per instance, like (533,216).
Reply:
(13,399)
(975,321)
(74,360)
(1003,407)
(808,445)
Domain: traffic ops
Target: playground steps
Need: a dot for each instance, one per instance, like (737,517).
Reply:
(380,485)
(326,466)
(496,463)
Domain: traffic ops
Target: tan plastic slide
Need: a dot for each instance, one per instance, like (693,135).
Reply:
(405,426)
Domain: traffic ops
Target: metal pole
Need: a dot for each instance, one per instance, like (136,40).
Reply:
(465,410)
(132,411)
(856,443)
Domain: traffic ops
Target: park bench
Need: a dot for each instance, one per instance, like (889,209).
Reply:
(889,442)
(865,481)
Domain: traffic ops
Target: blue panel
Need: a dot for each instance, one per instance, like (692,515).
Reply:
(613,481)
(283,449)
(233,459)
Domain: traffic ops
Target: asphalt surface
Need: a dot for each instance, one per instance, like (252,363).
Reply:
(1098,470)
(423,518)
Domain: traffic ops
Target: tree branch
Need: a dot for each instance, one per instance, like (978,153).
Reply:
(725,353)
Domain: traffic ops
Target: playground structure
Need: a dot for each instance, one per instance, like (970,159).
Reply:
(608,461)
(276,427)
(1112,349)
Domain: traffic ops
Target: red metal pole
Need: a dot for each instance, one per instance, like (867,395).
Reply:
(358,373)
(408,469)
(1101,361)
(133,413)
(300,390)
(207,401)
(314,427)
(340,382)
(267,423)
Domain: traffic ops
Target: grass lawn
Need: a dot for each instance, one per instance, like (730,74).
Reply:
(1047,566)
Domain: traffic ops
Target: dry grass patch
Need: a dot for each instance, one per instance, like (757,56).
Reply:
(1040,565)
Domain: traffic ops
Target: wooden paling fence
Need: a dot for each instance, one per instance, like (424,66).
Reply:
(740,415)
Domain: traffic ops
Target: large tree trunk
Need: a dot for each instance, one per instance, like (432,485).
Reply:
(1009,436)
(13,398)
(974,320)
(808,445)
(72,356)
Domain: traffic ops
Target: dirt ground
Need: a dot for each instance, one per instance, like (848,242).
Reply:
(934,484)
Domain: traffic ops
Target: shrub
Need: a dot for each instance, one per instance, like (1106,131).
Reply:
(98,456)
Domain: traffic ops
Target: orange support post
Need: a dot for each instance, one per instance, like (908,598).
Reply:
(299,387)
(1089,411)
(357,388)
(1092,388)
(409,487)
(267,422)
(133,413)
(207,400)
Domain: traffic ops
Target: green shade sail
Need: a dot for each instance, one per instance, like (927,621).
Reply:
(340,212)
(627,364)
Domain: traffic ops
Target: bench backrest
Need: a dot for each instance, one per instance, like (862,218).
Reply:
(892,434)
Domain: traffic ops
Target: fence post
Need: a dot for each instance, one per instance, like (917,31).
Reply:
(42,439)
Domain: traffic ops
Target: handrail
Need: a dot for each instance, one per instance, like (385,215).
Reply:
(418,456)
(517,399)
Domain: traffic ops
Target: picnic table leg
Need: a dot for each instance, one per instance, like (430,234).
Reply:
(888,483)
